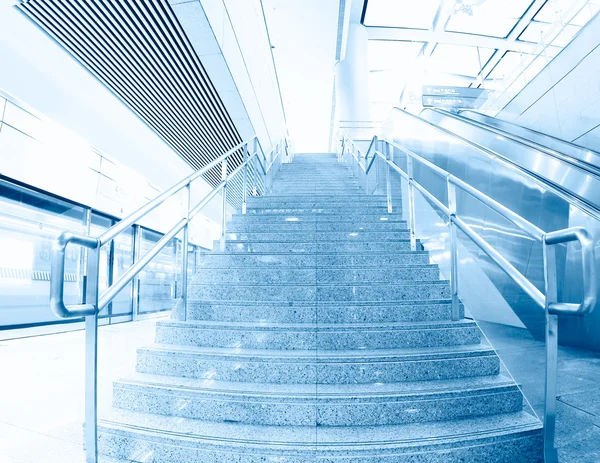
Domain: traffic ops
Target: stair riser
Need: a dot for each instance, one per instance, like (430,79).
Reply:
(323,247)
(348,210)
(273,411)
(127,445)
(323,314)
(313,293)
(295,227)
(311,201)
(319,219)
(302,340)
(327,236)
(312,260)
(240,370)
(267,275)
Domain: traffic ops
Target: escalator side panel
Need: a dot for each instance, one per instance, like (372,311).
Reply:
(519,192)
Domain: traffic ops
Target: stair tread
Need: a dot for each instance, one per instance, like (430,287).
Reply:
(320,355)
(324,303)
(329,284)
(265,326)
(408,389)
(189,431)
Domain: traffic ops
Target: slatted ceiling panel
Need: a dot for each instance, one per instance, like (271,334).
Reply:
(139,50)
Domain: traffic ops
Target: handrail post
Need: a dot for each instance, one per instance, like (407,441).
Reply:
(137,252)
(453,250)
(388,181)
(224,204)
(366,174)
(412,223)
(184,261)
(550,390)
(91,358)
(245,186)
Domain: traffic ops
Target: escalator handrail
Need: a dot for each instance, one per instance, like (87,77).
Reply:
(577,163)
(571,198)
(535,132)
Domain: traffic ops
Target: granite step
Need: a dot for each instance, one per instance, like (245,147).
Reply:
(247,274)
(391,246)
(346,209)
(355,217)
(510,437)
(279,336)
(323,366)
(382,312)
(318,236)
(302,225)
(320,405)
(325,292)
(316,200)
(313,260)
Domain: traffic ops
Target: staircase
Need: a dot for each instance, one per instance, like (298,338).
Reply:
(318,335)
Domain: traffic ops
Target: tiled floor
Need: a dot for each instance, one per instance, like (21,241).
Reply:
(41,390)
(578,408)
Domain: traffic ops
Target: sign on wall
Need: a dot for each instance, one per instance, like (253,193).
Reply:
(439,96)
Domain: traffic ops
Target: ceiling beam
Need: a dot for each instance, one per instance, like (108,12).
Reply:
(513,36)
(453,38)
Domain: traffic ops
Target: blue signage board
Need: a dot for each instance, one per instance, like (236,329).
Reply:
(438,96)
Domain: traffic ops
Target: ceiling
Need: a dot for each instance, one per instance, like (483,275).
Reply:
(303,35)
(499,45)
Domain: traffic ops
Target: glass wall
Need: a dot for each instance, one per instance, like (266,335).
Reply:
(30,220)
(159,282)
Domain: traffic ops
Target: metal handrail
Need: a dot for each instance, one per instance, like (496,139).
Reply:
(570,197)
(586,167)
(546,301)
(94,303)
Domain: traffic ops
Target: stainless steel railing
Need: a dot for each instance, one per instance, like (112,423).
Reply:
(255,165)
(548,301)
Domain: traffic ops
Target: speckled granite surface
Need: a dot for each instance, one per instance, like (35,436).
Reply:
(318,335)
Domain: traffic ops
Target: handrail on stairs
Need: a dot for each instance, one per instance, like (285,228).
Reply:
(261,166)
(547,301)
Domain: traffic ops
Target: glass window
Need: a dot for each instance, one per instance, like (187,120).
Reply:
(458,60)
(539,32)
(401,13)
(121,306)
(495,18)
(29,221)
(389,54)
(159,281)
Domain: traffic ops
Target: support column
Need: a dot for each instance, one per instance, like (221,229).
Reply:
(352,85)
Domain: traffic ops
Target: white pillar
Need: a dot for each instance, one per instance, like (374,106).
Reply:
(352,83)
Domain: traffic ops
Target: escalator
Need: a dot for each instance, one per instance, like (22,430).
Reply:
(551,189)
(540,140)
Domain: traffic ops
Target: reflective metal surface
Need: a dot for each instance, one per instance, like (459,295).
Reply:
(548,141)
(94,302)
(528,193)
(548,300)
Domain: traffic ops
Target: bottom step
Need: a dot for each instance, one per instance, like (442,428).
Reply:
(136,437)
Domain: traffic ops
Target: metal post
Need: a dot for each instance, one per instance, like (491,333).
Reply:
(550,453)
(388,185)
(224,203)
(412,224)
(453,250)
(91,360)
(245,187)
(184,260)
(137,250)
(366,176)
